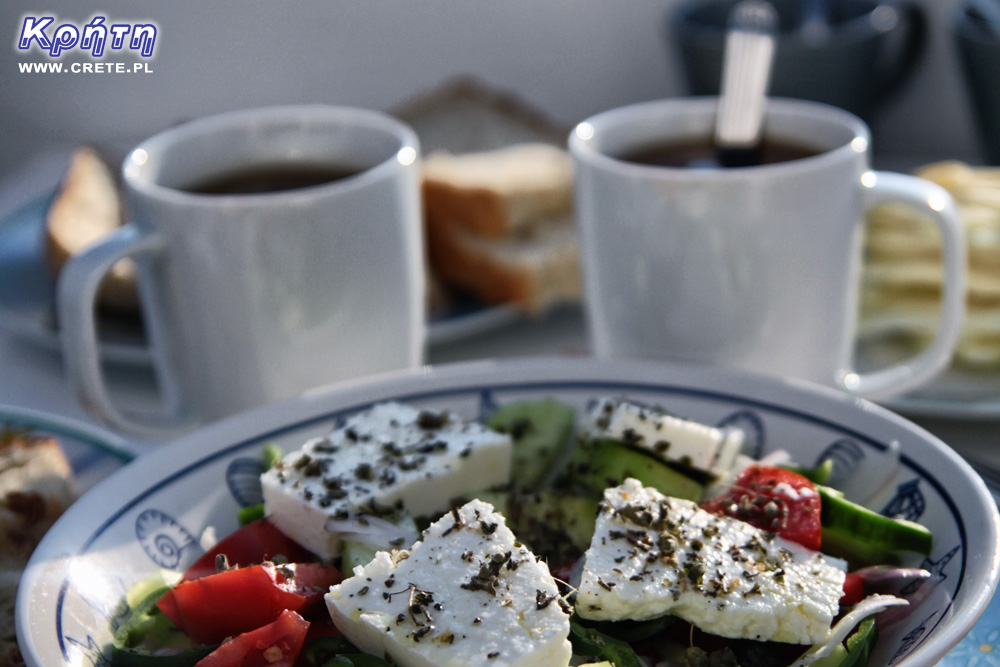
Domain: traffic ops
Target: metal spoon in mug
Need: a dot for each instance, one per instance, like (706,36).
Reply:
(746,72)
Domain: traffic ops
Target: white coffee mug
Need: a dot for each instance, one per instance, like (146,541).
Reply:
(755,268)
(248,298)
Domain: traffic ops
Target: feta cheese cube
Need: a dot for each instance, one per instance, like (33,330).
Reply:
(467,594)
(391,456)
(653,555)
(669,437)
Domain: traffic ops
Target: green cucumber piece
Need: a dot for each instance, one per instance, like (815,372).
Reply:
(540,430)
(557,524)
(856,551)
(148,629)
(599,464)
(818,475)
(844,522)
(361,553)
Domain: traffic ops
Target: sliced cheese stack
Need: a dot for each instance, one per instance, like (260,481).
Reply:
(500,224)
(903,270)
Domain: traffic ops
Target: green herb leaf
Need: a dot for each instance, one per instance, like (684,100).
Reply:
(590,642)
(271,455)
(250,514)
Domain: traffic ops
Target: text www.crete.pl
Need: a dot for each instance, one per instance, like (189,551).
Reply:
(85,68)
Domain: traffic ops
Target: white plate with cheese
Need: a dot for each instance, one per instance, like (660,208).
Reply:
(156,512)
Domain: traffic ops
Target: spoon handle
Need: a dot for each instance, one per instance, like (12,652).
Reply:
(745,75)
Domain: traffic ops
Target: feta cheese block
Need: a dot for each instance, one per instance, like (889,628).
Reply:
(467,594)
(389,457)
(668,437)
(653,555)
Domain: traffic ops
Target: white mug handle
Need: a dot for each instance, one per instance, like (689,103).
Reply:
(883,187)
(76,296)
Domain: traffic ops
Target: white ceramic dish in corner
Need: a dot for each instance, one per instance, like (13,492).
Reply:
(153,513)
(93,453)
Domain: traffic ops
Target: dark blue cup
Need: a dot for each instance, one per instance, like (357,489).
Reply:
(866,51)
(979,51)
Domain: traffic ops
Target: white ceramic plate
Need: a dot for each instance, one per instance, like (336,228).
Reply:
(27,299)
(93,453)
(153,513)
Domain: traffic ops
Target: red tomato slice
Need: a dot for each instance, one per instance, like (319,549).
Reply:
(276,644)
(252,544)
(776,500)
(229,603)
(854,589)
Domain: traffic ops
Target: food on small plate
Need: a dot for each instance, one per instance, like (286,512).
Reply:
(498,191)
(35,488)
(88,207)
(903,273)
(500,224)
(415,538)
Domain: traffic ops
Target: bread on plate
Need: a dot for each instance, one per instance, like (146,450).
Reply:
(35,488)
(87,207)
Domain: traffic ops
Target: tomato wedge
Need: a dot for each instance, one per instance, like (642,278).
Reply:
(854,589)
(229,603)
(252,544)
(276,644)
(774,499)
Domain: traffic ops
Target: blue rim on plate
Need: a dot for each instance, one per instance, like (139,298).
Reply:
(783,407)
(92,452)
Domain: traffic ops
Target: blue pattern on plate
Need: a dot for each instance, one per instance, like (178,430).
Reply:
(846,455)
(92,651)
(908,503)
(487,404)
(243,479)
(163,539)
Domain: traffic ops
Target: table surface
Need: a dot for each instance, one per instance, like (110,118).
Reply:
(33,377)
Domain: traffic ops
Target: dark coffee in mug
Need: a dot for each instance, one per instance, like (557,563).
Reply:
(704,154)
(265,178)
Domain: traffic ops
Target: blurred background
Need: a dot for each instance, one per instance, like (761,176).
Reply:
(569,59)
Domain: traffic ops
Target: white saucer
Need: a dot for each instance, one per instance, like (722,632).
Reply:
(27,299)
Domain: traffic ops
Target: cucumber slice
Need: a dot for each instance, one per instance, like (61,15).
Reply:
(600,464)
(361,553)
(540,430)
(557,524)
(846,523)
(818,475)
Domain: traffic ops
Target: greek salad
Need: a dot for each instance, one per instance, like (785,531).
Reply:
(624,536)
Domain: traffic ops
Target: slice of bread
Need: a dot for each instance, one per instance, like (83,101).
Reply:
(35,488)
(499,192)
(87,207)
(536,269)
